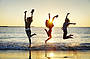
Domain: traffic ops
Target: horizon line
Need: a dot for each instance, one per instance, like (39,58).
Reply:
(31,26)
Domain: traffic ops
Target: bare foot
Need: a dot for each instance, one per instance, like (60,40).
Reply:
(33,34)
(45,41)
(70,35)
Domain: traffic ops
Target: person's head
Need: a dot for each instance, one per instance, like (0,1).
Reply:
(67,20)
(29,19)
(46,20)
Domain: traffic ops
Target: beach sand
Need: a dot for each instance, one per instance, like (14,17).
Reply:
(21,54)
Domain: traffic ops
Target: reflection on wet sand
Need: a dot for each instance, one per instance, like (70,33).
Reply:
(48,54)
(62,55)
(54,54)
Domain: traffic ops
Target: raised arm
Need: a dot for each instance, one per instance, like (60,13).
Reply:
(67,15)
(54,17)
(32,13)
(49,15)
(25,16)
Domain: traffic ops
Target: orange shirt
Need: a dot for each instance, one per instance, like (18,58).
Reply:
(49,24)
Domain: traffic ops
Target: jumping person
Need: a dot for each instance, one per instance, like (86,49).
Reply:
(28,22)
(49,24)
(64,28)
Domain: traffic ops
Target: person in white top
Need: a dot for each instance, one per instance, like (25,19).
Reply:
(64,28)
(28,22)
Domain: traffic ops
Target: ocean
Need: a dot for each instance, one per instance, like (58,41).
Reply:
(14,43)
(15,38)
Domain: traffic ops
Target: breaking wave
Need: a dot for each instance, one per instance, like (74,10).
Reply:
(51,46)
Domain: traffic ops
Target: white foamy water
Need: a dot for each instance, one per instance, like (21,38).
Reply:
(16,38)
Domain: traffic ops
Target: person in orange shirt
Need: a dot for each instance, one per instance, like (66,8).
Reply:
(49,24)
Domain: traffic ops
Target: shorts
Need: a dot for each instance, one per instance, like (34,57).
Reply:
(28,32)
(64,34)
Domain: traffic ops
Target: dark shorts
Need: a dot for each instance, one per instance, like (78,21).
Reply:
(64,34)
(28,32)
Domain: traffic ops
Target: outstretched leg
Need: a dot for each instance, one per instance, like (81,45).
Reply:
(29,43)
(30,39)
(65,34)
(47,39)
(32,35)
(28,32)
(46,32)
(69,36)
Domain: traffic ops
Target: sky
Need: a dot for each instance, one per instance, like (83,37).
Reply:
(12,12)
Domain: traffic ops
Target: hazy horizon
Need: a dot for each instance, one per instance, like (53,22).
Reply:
(31,26)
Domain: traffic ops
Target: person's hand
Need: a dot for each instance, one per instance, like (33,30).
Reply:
(32,11)
(25,11)
(56,16)
(68,13)
(74,23)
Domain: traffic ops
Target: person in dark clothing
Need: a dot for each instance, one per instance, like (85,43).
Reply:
(28,22)
(64,28)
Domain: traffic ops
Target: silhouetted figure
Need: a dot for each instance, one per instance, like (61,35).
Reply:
(64,28)
(49,24)
(28,22)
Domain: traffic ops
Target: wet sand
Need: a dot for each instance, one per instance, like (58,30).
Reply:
(20,54)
